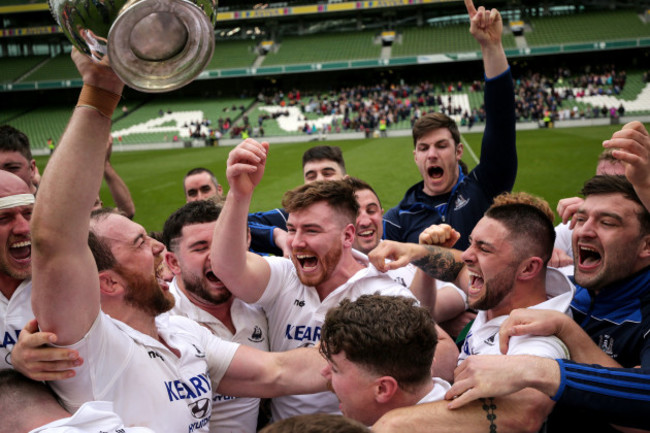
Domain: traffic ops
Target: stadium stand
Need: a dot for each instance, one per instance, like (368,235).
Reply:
(58,68)
(15,67)
(586,27)
(324,48)
(445,39)
(233,54)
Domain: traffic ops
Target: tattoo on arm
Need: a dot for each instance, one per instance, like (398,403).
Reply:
(490,408)
(440,263)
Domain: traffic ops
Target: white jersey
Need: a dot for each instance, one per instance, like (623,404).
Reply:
(229,414)
(437,393)
(149,385)
(14,315)
(296,315)
(92,417)
(483,336)
(563,242)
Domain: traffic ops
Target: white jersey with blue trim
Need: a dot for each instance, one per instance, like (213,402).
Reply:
(92,417)
(14,315)
(296,315)
(483,336)
(229,414)
(149,384)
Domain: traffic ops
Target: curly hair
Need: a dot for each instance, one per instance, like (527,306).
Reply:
(388,335)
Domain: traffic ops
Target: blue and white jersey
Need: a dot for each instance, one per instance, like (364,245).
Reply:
(229,414)
(296,315)
(483,336)
(92,417)
(14,315)
(149,385)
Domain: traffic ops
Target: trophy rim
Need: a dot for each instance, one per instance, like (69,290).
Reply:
(180,69)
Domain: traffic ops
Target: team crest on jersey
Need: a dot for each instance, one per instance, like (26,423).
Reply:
(257,336)
(461,202)
(606,343)
(200,408)
(490,341)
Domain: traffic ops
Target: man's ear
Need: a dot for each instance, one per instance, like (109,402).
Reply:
(348,235)
(172,262)
(530,268)
(110,283)
(644,252)
(385,389)
(459,151)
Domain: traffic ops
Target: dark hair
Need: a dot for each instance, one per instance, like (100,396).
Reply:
(318,153)
(316,423)
(432,121)
(389,335)
(609,184)
(13,140)
(199,170)
(529,219)
(99,247)
(338,194)
(194,212)
(14,384)
(360,185)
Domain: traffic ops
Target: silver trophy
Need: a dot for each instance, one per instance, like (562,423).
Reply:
(152,45)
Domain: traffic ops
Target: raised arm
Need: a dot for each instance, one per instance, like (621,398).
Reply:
(65,294)
(119,191)
(487,28)
(497,169)
(632,145)
(438,262)
(245,274)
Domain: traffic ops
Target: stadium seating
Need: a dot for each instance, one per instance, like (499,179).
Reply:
(232,54)
(447,39)
(324,48)
(60,67)
(15,67)
(588,27)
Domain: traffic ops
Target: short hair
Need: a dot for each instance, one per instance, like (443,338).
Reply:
(194,212)
(18,391)
(388,335)
(432,121)
(609,184)
(199,170)
(99,246)
(338,194)
(360,185)
(318,153)
(316,423)
(529,219)
(13,140)
(607,156)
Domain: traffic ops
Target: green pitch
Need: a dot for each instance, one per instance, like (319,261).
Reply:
(553,163)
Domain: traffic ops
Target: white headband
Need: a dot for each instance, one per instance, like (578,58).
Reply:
(16,200)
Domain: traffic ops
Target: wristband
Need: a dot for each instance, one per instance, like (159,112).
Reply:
(99,100)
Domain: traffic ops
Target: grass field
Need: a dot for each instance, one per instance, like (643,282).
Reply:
(553,163)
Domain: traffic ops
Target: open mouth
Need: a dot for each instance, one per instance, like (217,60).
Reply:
(21,251)
(307,262)
(212,277)
(475,282)
(435,172)
(589,257)
(366,233)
